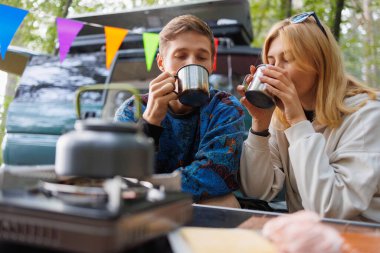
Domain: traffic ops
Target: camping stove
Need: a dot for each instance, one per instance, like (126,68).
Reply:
(86,215)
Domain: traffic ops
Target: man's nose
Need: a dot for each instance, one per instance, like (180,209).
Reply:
(192,60)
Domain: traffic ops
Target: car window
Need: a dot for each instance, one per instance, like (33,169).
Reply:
(47,80)
(129,67)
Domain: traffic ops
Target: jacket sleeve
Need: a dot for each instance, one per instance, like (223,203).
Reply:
(261,175)
(126,112)
(214,169)
(342,184)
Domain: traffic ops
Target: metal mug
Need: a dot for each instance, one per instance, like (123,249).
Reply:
(193,85)
(256,92)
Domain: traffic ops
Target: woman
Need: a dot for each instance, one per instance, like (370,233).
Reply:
(323,142)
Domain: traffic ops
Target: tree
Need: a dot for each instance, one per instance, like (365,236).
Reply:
(286,8)
(37,31)
(371,69)
(338,18)
(352,22)
(360,40)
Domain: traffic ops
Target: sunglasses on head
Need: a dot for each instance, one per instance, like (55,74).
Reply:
(299,18)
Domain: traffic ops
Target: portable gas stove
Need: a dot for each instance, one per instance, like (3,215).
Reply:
(86,215)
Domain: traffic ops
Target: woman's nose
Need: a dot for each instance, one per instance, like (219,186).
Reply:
(278,64)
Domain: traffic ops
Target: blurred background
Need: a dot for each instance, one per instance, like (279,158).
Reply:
(353,22)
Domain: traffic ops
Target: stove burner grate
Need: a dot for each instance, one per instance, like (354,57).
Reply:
(93,192)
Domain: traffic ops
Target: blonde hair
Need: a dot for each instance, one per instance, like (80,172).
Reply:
(185,23)
(314,51)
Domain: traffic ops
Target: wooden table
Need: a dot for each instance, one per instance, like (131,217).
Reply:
(362,237)
(359,236)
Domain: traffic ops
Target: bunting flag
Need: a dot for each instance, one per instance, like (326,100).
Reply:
(10,19)
(114,38)
(67,32)
(216,44)
(150,41)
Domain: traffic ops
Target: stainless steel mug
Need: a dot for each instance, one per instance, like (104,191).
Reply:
(193,85)
(256,92)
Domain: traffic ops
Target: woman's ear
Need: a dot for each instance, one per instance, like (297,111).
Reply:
(160,62)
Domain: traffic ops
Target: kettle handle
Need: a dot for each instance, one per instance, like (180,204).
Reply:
(112,86)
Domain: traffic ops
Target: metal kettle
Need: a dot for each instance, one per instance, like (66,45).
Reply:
(98,148)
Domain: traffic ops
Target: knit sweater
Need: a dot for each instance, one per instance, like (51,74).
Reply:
(205,145)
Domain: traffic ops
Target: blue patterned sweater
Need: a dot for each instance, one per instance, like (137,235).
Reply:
(204,145)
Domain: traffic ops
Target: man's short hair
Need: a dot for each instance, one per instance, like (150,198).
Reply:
(185,23)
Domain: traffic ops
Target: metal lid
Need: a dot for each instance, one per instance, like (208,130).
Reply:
(101,125)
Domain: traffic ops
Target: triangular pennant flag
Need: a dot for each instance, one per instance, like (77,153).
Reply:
(10,20)
(67,32)
(216,44)
(114,38)
(150,48)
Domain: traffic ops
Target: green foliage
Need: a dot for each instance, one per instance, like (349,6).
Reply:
(358,36)
(359,39)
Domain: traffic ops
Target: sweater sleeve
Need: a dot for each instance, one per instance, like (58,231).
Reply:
(214,169)
(126,112)
(261,175)
(342,184)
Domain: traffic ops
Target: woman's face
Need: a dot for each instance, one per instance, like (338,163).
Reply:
(304,82)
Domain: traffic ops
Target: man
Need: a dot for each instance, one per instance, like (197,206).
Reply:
(204,143)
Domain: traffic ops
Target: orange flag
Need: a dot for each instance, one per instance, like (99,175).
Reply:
(114,38)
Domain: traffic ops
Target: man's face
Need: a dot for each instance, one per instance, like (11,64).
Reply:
(187,48)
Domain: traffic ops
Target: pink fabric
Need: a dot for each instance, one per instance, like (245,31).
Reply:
(302,232)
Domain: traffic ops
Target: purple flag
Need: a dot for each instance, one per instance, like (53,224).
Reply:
(67,32)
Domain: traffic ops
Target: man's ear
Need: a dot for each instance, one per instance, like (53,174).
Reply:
(160,62)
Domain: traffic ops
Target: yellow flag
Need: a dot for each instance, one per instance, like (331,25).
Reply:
(114,38)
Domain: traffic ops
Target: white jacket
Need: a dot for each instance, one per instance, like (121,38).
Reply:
(334,172)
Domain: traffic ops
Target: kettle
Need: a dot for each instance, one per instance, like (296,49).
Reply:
(99,148)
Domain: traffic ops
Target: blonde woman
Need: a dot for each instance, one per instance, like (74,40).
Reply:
(322,139)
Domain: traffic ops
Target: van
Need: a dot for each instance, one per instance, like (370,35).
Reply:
(11,68)
(43,106)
